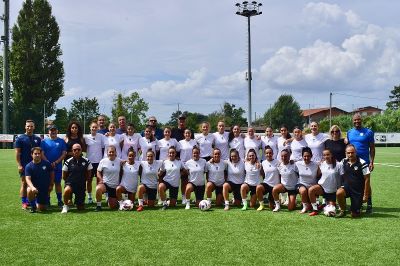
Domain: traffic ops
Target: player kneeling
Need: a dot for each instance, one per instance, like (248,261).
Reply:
(40,180)
(252,179)
(215,176)
(76,171)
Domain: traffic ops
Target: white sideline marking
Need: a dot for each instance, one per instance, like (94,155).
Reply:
(386,164)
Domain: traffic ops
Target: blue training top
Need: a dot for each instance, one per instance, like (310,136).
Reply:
(361,139)
(53,149)
(26,143)
(39,173)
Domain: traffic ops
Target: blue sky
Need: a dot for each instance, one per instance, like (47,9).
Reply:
(195,52)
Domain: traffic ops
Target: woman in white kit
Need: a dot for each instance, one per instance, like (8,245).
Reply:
(170,172)
(221,140)
(131,140)
(251,141)
(94,152)
(186,147)
(148,141)
(309,173)
(236,141)
(129,177)
(108,174)
(297,145)
(195,168)
(328,183)
(215,176)
(167,142)
(252,179)
(316,141)
(269,140)
(205,141)
(271,179)
(235,178)
(113,139)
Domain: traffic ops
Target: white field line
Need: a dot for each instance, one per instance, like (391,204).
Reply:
(387,164)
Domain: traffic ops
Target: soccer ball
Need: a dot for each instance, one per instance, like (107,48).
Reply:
(330,210)
(127,205)
(204,205)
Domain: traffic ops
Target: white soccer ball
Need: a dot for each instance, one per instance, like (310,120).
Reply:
(204,205)
(127,205)
(330,210)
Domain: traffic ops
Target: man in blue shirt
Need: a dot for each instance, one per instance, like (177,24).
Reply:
(23,146)
(40,179)
(54,151)
(363,139)
(101,122)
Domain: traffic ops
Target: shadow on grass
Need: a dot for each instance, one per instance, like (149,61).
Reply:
(382,212)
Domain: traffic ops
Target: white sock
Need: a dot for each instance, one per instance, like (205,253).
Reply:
(209,200)
(99,203)
(140,202)
(277,203)
(183,197)
(314,206)
(244,202)
(226,202)
(89,195)
(304,205)
(164,202)
(261,203)
(120,202)
(323,201)
(188,203)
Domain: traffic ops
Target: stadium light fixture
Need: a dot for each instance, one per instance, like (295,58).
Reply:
(248,10)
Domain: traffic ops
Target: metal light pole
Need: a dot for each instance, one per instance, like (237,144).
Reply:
(6,76)
(248,10)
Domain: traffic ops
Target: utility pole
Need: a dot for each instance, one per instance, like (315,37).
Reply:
(330,110)
(6,73)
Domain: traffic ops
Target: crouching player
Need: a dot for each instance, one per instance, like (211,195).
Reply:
(76,171)
(40,180)
(355,177)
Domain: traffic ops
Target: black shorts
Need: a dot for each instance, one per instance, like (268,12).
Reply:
(79,191)
(173,191)
(151,192)
(235,189)
(298,186)
(356,198)
(198,191)
(268,189)
(94,170)
(252,189)
(330,196)
(112,192)
(290,192)
(218,190)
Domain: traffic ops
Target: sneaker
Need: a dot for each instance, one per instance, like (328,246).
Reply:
(260,208)
(341,214)
(355,214)
(226,208)
(276,209)
(184,202)
(187,207)
(286,202)
(60,204)
(159,202)
(164,207)
(65,209)
(369,209)
(98,209)
(313,213)
(90,201)
(25,206)
(244,208)
(32,210)
(140,208)
(304,210)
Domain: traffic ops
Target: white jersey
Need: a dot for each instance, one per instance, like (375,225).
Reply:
(316,144)
(236,172)
(253,143)
(164,145)
(252,177)
(113,141)
(145,145)
(205,144)
(296,147)
(272,142)
(95,146)
(110,170)
(289,175)
(330,176)
(271,172)
(130,176)
(307,173)
(130,142)
(216,172)
(281,146)
(221,142)
(172,171)
(238,144)
(196,171)
(149,176)
(186,148)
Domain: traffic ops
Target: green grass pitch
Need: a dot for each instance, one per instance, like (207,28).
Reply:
(192,237)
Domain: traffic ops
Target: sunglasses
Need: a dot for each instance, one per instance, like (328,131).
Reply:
(335,131)
(153,120)
(76,149)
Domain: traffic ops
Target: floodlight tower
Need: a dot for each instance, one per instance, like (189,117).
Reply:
(6,74)
(248,10)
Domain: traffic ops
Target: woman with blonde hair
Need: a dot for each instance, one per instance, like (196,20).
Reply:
(336,144)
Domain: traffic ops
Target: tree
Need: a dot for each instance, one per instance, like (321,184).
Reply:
(84,111)
(133,107)
(62,119)
(394,103)
(345,122)
(36,71)
(284,111)
(233,115)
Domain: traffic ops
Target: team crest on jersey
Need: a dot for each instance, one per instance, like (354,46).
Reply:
(44,167)
(355,168)
(35,140)
(83,163)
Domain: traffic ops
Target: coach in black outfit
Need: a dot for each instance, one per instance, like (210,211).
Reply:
(177,133)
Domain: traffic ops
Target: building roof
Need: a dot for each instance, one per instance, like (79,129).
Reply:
(309,112)
(366,108)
